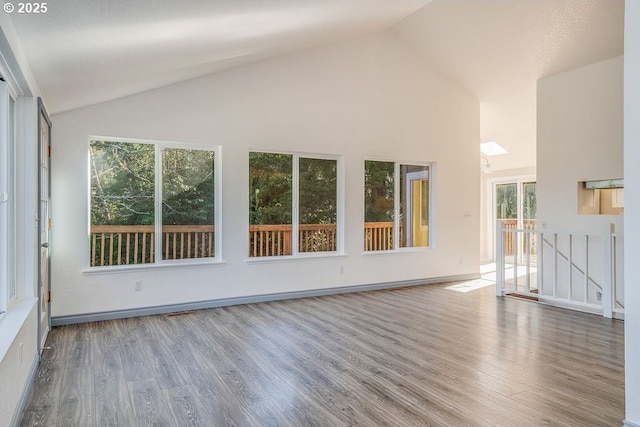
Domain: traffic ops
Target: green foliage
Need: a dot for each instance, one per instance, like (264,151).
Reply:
(318,191)
(530,201)
(506,201)
(270,188)
(187,187)
(123,185)
(378,191)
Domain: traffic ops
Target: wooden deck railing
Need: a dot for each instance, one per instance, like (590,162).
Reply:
(135,244)
(275,239)
(378,236)
(512,224)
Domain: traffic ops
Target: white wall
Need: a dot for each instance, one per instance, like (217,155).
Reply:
(579,138)
(16,367)
(18,328)
(632,210)
(372,97)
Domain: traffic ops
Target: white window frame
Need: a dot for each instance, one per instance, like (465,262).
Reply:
(295,225)
(8,285)
(431,176)
(217,214)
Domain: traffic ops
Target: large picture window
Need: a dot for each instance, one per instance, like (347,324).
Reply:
(142,190)
(293,204)
(396,205)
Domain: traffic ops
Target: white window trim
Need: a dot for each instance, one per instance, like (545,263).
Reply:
(9,290)
(217,214)
(432,176)
(340,192)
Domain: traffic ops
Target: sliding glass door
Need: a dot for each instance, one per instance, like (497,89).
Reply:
(514,204)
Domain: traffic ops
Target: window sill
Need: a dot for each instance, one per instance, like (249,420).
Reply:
(12,321)
(398,251)
(150,267)
(300,257)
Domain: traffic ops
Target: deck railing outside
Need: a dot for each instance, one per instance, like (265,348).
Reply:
(135,244)
(512,224)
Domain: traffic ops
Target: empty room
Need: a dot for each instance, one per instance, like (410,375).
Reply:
(331,213)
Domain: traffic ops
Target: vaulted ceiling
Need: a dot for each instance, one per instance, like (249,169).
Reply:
(86,51)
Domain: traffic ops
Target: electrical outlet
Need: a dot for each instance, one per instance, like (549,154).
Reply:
(138,286)
(341,269)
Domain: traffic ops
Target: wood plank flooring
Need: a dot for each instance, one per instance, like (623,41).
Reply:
(420,356)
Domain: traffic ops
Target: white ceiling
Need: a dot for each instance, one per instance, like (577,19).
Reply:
(498,49)
(86,51)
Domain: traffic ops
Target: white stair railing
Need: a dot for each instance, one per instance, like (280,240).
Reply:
(562,268)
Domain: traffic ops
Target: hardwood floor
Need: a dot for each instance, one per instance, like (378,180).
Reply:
(421,356)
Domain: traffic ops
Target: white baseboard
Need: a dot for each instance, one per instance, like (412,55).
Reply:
(24,395)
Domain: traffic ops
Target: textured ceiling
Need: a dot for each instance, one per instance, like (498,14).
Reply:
(86,51)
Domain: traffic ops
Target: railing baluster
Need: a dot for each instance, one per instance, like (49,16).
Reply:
(94,239)
(110,249)
(102,249)
(570,293)
(555,264)
(119,248)
(500,259)
(175,244)
(586,269)
(144,248)
(540,262)
(135,248)
(527,254)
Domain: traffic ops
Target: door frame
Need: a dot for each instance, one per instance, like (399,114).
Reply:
(410,177)
(491,206)
(42,335)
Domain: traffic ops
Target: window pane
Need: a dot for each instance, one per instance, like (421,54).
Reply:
(414,206)
(122,203)
(187,204)
(378,205)
(270,204)
(507,203)
(530,207)
(317,199)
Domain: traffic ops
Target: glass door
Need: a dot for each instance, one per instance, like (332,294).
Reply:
(515,206)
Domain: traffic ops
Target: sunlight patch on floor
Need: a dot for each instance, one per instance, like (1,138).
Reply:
(470,285)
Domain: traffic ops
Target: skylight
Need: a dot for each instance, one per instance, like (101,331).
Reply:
(491,148)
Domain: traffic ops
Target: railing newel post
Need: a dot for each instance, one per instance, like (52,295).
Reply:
(500,262)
